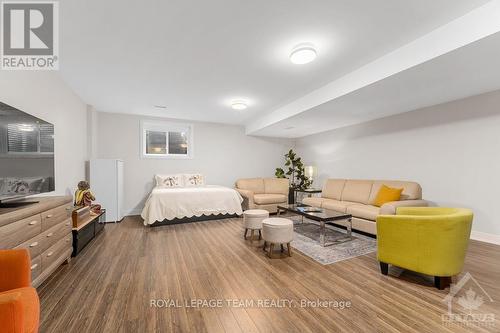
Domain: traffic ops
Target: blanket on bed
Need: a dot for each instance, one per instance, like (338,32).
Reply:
(170,203)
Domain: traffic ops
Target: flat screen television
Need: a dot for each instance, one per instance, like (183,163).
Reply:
(26,154)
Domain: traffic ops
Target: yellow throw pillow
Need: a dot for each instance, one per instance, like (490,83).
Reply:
(387,194)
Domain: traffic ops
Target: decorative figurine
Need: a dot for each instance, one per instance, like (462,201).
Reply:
(84,197)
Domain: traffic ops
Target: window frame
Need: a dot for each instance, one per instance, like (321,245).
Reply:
(166,126)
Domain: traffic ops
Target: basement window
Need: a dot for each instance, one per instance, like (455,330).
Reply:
(166,140)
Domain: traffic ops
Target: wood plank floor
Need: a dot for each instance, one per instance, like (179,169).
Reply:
(110,285)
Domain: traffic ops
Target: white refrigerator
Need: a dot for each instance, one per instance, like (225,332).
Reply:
(106,182)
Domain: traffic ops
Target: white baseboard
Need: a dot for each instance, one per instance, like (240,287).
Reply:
(485,237)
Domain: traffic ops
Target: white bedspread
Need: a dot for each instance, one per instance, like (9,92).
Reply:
(170,203)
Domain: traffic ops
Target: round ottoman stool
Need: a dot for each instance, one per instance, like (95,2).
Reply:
(253,221)
(276,231)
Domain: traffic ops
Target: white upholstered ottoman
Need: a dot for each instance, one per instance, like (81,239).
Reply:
(277,230)
(252,219)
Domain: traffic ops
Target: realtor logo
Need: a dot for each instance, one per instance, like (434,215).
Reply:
(468,296)
(29,36)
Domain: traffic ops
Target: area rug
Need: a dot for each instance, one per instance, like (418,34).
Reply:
(306,240)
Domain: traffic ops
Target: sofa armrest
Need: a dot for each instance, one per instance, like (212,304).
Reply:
(11,312)
(15,269)
(247,198)
(390,208)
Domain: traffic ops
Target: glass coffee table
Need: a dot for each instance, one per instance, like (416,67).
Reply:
(323,216)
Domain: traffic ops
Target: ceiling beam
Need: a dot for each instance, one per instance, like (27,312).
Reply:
(475,25)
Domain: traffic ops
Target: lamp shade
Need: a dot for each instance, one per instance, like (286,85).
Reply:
(310,171)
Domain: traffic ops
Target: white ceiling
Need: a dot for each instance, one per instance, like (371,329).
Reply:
(195,56)
(468,71)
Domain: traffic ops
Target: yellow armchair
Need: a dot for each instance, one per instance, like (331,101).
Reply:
(428,240)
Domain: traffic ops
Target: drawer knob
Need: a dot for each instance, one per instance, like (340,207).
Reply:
(49,216)
(50,235)
(34,244)
(50,254)
(34,266)
(33,222)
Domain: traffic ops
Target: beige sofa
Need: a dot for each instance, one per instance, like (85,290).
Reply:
(263,193)
(356,197)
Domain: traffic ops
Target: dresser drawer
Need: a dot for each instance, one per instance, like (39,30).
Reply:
(53,235)
(19,232)
(54,216)
(36,267)
(34,245)
(65,229)
(54,252)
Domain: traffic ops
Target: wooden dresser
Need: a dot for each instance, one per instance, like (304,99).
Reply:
(44,228)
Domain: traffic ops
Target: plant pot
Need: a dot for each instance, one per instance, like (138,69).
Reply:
(291,195)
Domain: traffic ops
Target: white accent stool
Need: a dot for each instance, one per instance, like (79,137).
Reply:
(253,221)
(277,230)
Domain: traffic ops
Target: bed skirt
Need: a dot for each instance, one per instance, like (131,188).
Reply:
(193,219)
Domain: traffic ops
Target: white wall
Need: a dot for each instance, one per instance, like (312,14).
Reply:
(223,153)
(452,150)
(45,95)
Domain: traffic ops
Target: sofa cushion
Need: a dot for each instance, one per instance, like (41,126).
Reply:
(333,189)
(276,185)
(387,194)
(256,185)
(367,212)
(411,190)
(357,191)
(339,206)
(266,198)
(314,201)
(169,180)
(364,225)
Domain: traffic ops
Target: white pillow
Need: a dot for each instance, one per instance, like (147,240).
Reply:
(195,179)
(169,181)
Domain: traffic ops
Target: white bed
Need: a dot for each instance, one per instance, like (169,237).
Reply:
(180,202)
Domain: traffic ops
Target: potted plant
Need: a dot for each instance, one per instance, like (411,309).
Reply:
(295,173)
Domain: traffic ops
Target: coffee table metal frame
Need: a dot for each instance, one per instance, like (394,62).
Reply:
(326,216)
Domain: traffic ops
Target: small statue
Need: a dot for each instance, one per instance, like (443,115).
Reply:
(84,197)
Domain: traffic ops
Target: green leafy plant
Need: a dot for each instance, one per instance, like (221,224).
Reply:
(294,172)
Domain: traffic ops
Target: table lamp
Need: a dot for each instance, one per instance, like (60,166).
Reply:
(310,172)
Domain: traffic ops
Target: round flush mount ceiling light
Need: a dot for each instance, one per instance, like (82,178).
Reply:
(239,105)
(303,53)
